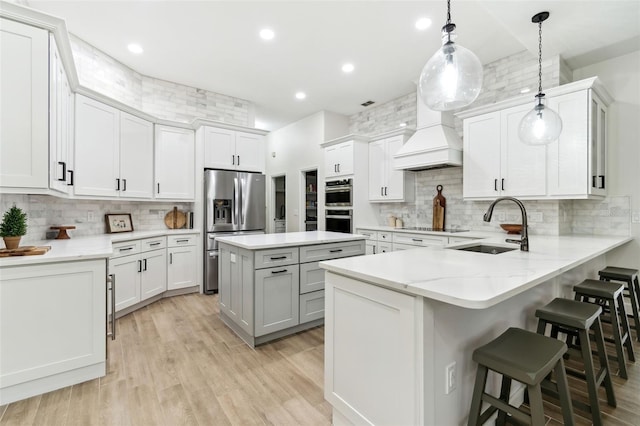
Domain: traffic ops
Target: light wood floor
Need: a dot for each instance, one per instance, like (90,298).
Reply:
(175,363)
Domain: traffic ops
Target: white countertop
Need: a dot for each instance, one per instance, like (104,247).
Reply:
(288,239)
(474,280)
(85,248)
(463,234)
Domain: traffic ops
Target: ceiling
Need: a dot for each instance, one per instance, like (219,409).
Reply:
(214,45)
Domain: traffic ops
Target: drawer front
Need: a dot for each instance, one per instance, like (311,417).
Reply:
(311,277)
(153,243)
(385,236)
(371,235)
(420,239)
(181,240)
(331,251)
(384,247)
(125,248)
(276,257)
(311,306)
(399,246)
(460,240)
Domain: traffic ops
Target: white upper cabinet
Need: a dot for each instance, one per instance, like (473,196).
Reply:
(114,152)
(385,183)
(24,124)
(174,163)
(338,159)
(233,150)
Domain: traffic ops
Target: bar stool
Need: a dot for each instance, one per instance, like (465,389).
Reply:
(528,358)
(609,295)
(630,277)
(576,319)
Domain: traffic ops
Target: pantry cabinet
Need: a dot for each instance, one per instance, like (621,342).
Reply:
(385,183)
(24,125)
(233,150)
(174,163)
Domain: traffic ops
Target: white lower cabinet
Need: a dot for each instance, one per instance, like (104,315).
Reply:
(52,326)
(181,271)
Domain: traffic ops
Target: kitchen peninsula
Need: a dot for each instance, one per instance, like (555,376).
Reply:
(270,285)
(401,327)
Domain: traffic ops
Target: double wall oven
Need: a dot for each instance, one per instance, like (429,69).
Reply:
(339,203)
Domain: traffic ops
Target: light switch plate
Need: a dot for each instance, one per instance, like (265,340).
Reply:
(635,216)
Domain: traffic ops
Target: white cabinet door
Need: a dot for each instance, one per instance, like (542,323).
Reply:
(136,157)
(523,167)
(394,188)
(235,286)
(174,163)
(277,299)
(377,164)
(219,148)
(597,118)
(96,148)
(338,159)
(154,273)
(181,270)
(127,270)
(249,152)
(24,124)
(481,155)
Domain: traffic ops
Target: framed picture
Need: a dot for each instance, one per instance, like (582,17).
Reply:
(120,222)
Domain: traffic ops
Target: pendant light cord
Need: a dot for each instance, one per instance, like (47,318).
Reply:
(448,12)
(539,57)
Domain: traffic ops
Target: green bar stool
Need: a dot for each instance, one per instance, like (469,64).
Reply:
(577,319)
(609,296)
(528,358)
(630,278)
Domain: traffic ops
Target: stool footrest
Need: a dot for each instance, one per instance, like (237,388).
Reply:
(507,408)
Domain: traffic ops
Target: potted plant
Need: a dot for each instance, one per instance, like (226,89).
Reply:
(13,227)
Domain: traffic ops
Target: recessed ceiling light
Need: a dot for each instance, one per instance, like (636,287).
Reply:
(267,34)
(525,90)
(403,124)
(301,95)
(423,23)
(347,68)
(135,48)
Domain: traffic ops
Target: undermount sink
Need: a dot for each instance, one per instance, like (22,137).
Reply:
(484,248)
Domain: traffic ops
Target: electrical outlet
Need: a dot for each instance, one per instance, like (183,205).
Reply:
(161,214)
(501,217)
(91,216)
(450,378)
(635,216)
(536,217)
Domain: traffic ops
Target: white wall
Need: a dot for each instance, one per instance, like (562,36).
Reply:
(621,77)
(293,149)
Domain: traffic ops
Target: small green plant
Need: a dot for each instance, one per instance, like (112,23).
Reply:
(14,223)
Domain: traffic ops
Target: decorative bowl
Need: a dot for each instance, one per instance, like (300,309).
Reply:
(511,228)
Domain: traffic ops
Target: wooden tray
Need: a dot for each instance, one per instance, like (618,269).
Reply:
(24,251)
(175,219)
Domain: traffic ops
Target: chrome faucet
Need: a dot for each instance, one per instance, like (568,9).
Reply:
(524,242)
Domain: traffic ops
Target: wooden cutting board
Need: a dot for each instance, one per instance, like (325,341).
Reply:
(175,219)
(24,251)
(439,205)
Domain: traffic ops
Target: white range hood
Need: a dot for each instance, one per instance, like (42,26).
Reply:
(434,144)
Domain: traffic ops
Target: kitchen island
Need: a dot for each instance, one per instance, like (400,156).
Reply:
(400,327)
(270,285)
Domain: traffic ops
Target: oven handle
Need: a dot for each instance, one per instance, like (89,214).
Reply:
(338,216)
(341,188)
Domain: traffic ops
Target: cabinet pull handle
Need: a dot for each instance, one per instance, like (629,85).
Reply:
(126,249)
(238,160)
(593,181)
(495,184)
(338,167)
(145,264)
(64,171)
(335,251)
(374,249)
(502,184)
(233,160)
(279,272)
(185,240)
(124,184)
(118,184)
(70,177)
(385,190)
(170,258)
(601,181)
(112,279)
(158,187)
(381,191)
(277,257)
(416,240)
(335,168)
(139,265)
(154,244)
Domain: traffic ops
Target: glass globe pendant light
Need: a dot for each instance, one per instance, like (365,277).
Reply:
(541,125)
(452,78)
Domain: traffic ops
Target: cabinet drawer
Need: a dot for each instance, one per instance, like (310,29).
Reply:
(331,251)
(125,248)
(153,243)
(420,239)
(399,246)
(311,277)
(311,306)
(460,240)
(276,257)
(385,236)
(182,240)
(384,247)
(371,235)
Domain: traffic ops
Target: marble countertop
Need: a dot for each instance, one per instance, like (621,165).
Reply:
(288,239)
(463,234)
(85,248)
(474,280)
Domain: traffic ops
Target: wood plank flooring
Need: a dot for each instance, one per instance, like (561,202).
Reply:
(175,363)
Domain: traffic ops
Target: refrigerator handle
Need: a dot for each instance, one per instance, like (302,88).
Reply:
(234,211)
(242,190)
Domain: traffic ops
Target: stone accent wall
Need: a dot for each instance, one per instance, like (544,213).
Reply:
(160,98)
(385,116)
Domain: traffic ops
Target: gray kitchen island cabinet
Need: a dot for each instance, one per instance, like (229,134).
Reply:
(271,285)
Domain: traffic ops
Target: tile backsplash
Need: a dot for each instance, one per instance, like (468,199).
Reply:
(44,211)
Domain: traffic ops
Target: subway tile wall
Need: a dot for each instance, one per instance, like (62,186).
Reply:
(160,98)
(503,79)
(44,211)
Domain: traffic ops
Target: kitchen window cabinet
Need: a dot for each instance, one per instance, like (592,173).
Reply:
(233,150)
(24,124)
(338,159)
(174,163)
(385,183)
(114,152)
(181,270)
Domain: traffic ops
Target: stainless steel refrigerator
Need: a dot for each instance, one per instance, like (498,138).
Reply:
(234,205)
